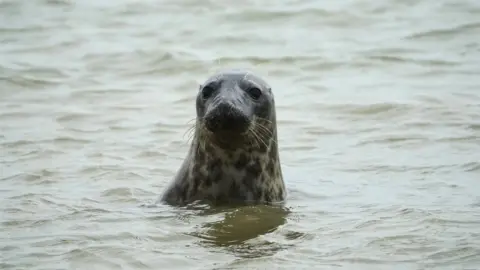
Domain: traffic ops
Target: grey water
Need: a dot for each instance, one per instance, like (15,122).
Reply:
(378,106)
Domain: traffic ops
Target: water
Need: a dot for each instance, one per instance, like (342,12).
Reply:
(378,108)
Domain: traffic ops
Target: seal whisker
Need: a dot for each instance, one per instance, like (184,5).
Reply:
(262,138)
(250,139)
(265,132)
(267,121)
(254,137)
(189,132)
(191,120)
(264,128)
(259,137)
(199,135)
(267,136)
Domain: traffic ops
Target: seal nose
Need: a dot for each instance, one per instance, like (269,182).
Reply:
(226,117)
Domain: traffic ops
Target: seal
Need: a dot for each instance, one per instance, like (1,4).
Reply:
(233,157)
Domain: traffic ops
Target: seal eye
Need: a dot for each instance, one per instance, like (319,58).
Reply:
(207,91)
(254,92)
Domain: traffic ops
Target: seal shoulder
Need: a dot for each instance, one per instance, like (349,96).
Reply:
(176,192)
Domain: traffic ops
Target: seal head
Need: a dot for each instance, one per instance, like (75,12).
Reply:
(228,105)
(233,157)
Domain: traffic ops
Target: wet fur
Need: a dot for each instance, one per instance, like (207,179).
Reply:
(248,173)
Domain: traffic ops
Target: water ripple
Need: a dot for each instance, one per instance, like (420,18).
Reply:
(377,113)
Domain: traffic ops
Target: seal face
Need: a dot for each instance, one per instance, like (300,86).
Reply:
(233,157)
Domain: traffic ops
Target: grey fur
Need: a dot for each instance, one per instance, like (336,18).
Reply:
(232,169)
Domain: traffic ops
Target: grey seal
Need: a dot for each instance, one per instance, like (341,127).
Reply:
(233,157)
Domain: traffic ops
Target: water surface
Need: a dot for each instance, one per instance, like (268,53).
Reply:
(378,107)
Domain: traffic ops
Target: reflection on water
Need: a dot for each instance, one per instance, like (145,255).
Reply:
(237,227)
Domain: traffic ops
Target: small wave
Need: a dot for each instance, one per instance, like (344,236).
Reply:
(153,57)
(75,116)
(367,224)
(394,139)
(23,155)
(171,127)
(85,131)
(130,108)
(187,100)
(46,48)
(125,194)
(26,223)
(453,255)
(7,248)
(446,32)
(100,93)
(468,139)
(451,222)
(62,3)
(68,139)
(318,131)
(120,127)
(43,176)
(29,82)
(475,127)
(398,168)
(30,70)
(380,260)
(4,265)
(149,62)
(368,109)
(19,143)
(16,115)
(424,62)
(285,59)
(49,204)
(100,170)
(151,153)
(94,256)
(471,166)
(29,29)
(271,15)
(41,144)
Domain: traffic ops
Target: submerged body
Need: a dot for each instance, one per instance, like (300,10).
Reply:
(233,157)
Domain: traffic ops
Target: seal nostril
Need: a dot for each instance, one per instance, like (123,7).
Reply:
(225,117)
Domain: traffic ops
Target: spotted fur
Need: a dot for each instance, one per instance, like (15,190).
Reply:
(248,173)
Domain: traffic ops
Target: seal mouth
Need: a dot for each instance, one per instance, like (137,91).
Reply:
(225,120)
